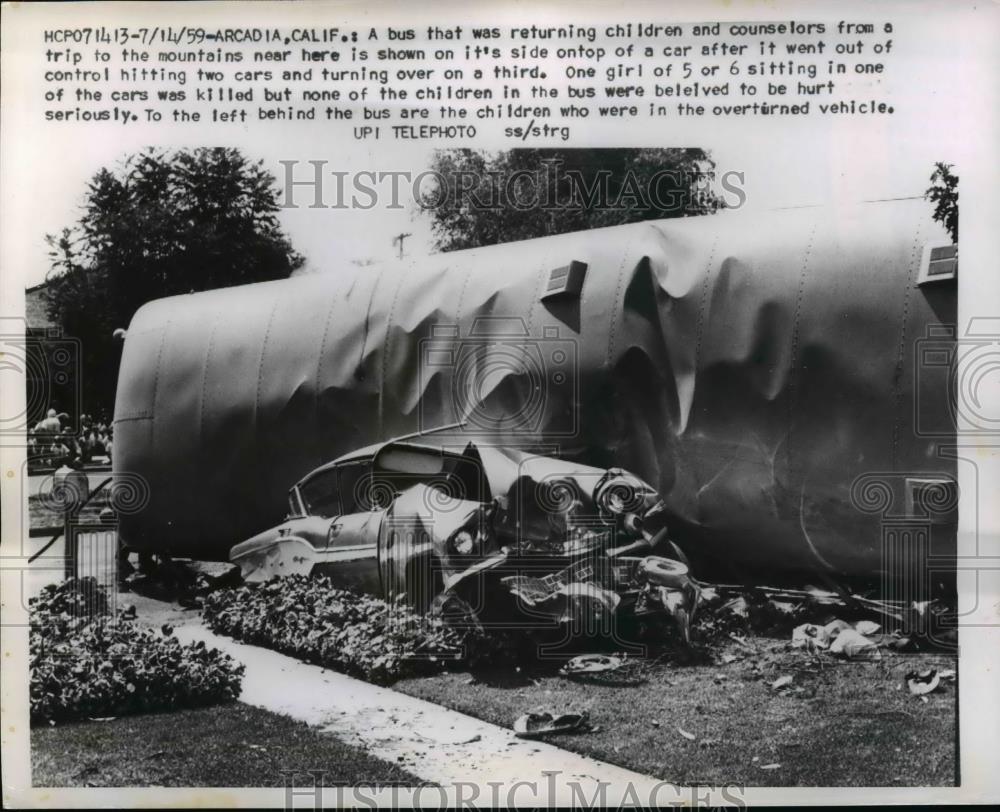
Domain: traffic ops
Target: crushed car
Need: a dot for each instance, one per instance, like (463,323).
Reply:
(482,535)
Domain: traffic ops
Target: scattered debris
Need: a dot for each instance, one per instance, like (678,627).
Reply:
(854,646)
(542,723)
(795,602)
(431,734)
(773,766)
(737,606)
(810,637)
(593,589)
(896,641)
(591,664)
(603,669)
(686,734)
(782,682)
(923,682)
(840,638)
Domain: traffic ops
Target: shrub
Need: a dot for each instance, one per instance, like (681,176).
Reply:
(309,618)
(88,660)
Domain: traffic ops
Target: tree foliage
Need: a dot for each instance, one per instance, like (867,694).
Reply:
(161,223)
(484,199)
(943,193)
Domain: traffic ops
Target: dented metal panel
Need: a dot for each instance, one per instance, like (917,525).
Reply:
(749,367)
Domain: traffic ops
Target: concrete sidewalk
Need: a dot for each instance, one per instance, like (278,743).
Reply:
(439,745)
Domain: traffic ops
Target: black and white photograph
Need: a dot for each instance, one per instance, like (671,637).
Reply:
(498,406)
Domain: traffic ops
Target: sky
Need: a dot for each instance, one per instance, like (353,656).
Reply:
(777,173)
(774,175)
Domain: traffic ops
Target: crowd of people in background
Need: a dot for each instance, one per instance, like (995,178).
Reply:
(54,442)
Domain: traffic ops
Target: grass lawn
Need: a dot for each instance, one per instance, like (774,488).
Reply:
(232,745)
(837,724)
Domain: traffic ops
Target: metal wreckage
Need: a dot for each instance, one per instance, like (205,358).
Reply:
(563,422)
(461,530)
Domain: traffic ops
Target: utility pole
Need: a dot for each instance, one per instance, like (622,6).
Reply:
(398,240)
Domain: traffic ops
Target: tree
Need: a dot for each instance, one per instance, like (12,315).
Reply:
(484,199)
(943,193)
(161,223)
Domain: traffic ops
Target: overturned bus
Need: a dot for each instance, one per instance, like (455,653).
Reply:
(764,373)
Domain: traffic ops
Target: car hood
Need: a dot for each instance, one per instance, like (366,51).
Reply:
(505,466)
(430,512)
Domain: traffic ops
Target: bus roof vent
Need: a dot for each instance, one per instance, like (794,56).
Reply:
(939,264)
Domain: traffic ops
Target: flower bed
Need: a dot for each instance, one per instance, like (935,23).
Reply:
(309,618)
(88,660)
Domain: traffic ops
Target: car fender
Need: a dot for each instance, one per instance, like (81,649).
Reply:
(261,559)
(413,539)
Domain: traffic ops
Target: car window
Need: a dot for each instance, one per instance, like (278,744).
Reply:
(294,509)
(466,478)
(357,488)
(363,490)
(353,487)
(387,486)
(410,461)
(321,495)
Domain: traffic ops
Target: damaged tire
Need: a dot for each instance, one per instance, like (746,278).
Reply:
(665,572)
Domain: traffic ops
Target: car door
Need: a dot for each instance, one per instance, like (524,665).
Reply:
(349,540)
(351,557)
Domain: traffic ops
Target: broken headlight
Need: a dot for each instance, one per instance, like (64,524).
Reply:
(620,493)
(463,542)
(472,539)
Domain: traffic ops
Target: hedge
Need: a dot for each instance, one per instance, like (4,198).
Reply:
(309,618)
(88,660)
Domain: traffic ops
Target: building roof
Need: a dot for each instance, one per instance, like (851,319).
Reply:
(36,310)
